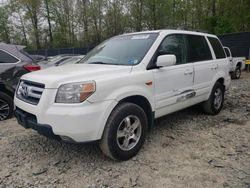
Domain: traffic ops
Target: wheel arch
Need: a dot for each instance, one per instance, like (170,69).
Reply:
(221,80)
(239,63)
(144,104)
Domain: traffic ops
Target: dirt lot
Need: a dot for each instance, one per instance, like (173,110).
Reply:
(185,149)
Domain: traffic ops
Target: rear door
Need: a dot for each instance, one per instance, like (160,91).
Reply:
(204,66)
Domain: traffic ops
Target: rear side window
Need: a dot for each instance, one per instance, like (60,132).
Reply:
(218,49)
(198,49)
(7,58)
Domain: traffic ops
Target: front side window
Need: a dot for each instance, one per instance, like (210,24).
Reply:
(218,49)
(198,49)
(121,50)
(174,45)
(7,58)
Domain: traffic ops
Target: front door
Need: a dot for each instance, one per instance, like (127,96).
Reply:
(173,84)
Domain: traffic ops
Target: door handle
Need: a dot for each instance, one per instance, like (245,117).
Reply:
(188,72)
(214,67)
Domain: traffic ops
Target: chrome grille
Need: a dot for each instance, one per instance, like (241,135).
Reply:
(30,92)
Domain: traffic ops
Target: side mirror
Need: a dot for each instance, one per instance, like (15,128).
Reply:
(166,60)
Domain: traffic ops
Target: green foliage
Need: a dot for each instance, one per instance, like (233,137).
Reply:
(4,28)
(67,23)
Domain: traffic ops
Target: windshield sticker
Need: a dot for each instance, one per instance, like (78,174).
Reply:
(140,37)
(132,61)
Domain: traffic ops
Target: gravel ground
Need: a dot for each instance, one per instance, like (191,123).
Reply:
(184,149)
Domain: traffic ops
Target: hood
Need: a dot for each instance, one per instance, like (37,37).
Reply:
(55,76)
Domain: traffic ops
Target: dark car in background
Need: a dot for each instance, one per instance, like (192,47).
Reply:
(14,62)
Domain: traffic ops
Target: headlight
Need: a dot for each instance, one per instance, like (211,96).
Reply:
(75,92)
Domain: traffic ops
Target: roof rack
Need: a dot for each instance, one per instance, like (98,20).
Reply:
(196,30)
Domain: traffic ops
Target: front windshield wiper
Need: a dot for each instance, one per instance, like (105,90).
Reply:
(102,63)
(98,62)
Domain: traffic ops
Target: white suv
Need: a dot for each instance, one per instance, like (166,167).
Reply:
(117,90)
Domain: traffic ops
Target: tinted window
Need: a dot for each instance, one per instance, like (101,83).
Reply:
(198,49)
(218,50)
(7,58)
(174,44)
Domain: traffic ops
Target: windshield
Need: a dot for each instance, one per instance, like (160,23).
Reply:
(227,52)
(121,50)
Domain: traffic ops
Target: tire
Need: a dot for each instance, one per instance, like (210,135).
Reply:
(6,106)
(128,142)
(237,73)
(215,102)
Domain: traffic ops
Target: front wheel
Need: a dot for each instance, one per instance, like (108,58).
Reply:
(215,102)
(125,132)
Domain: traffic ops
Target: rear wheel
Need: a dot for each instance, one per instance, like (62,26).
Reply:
(125,132)
(237,73)
(6,106)
(215,102)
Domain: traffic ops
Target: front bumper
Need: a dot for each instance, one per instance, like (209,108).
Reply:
(83,122)
(28,120)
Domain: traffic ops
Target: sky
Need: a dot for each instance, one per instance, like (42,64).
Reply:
(2,2)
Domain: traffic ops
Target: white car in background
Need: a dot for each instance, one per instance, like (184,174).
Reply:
(72,60)
(237,64)
(117,90)
(55,61)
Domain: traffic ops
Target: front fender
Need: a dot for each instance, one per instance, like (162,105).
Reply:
(130,85)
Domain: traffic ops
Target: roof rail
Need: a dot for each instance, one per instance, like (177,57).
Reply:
(196,30)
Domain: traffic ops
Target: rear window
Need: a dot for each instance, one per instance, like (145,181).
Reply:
(7,58)
(198,49)
(218,49)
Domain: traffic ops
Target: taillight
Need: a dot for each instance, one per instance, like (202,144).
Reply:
(32,67)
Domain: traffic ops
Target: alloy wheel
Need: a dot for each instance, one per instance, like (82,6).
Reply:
(218,98)
(129,132)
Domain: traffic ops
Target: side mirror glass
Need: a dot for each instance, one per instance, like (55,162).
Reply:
(166,60)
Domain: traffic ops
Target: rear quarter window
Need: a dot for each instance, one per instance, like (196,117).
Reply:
(198,49)
(7,58)
(217,47)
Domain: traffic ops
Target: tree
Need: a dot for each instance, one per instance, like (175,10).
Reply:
(67,23)
(32,8)
(4,28)
(47,7)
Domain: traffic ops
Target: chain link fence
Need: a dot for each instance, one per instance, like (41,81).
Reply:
(58,51)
